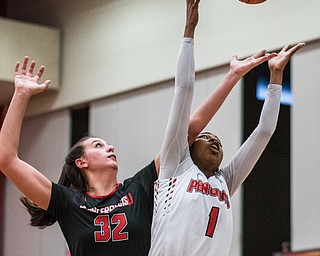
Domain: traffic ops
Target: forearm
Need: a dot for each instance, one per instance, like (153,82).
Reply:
(270,110)
(205,112)
(250,151)
(175,139)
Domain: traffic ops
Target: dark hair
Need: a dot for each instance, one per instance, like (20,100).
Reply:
(71,176)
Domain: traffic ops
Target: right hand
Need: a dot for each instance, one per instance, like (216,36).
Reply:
(277,64)
(280,62)
(25,81)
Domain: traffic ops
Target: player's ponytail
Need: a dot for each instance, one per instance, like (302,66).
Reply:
(71,176)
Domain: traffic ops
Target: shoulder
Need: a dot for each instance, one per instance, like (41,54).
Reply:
(63,191)
(147,173)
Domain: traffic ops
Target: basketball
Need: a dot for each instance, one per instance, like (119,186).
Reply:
(252,1)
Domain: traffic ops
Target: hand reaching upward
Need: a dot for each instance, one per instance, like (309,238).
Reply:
(192,17)
(25,81)
(278,63)
(242,67)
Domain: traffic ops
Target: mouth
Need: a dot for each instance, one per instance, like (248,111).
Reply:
(215,146)
(112,156)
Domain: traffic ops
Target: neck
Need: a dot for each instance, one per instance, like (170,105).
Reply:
(101,184)
(101,189)
(208,170)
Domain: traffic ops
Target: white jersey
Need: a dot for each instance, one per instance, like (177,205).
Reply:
(193,214)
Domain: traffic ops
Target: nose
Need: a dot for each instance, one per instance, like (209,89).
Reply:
(210,139)
(110,148)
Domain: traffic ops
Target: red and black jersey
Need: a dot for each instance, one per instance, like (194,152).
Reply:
(116,224)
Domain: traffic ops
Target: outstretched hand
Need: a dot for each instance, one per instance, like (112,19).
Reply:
(25,81)
(242,67)
(277,64)
(280,62)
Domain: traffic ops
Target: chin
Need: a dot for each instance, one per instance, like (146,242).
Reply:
(114,166)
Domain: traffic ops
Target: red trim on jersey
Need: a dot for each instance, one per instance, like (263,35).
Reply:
(105,196)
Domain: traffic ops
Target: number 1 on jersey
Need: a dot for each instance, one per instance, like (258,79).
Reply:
(213,218)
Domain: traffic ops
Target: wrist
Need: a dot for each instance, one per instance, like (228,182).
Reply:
(22,93)
(189,31)
(233,75)
(276,77)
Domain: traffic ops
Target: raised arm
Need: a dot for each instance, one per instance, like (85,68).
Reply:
(209,107)
(175,141)
(205,111)
(27,179)
(249,153)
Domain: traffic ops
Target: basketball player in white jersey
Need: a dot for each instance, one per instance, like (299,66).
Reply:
(193,211)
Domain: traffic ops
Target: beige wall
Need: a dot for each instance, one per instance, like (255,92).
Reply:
(305,171)
(116,45)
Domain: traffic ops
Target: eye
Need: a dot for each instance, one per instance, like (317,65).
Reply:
(98,145)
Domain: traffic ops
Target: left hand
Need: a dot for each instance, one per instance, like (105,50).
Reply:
(242,67)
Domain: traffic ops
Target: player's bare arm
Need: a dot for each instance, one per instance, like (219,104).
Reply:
(27,179)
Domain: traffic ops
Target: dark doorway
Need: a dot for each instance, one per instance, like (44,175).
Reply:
(266,192)
(79,123)
(3,8)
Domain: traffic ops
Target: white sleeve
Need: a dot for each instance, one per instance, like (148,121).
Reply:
(249,153)
(175,145)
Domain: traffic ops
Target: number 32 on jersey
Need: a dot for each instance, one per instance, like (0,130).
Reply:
(106,232)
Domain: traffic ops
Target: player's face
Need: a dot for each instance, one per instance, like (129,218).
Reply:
(99,155)
(207,153)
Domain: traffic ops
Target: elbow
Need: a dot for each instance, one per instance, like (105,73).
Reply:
(184,83)
(2,160)
(6,160)
(267,132)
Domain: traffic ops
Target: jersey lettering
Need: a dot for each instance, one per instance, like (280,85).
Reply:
(106,232)
(205,188)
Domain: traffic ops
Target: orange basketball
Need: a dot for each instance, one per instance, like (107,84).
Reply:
(252,1)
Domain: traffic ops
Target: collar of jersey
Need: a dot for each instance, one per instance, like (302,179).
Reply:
(105,196)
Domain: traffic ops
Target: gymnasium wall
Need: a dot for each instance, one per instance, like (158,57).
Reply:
(305,148)
(108,47)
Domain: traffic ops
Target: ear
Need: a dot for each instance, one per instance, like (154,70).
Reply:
(81,163)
